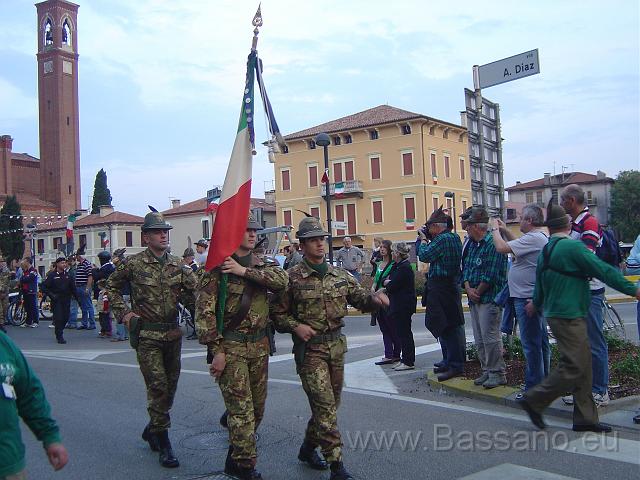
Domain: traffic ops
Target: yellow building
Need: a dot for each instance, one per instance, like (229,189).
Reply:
(388,170)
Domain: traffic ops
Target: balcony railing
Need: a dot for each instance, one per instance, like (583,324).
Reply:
(350,188)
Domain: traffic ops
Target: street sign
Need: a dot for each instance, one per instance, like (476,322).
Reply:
(508,69)
(338,225)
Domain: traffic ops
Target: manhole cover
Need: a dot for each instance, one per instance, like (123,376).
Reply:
(215,476)
(219,439)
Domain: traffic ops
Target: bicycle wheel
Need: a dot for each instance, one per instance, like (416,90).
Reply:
(17,314)
(45,308)
(613,322)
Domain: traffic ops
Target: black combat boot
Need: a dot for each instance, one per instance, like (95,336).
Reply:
(167,458)
(147,436)
(338,472)
(235,470)
(309,454)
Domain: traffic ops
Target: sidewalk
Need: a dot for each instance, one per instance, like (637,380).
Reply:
(619,413)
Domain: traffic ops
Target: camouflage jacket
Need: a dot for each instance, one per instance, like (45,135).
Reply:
(319,302)
(267,276)
(156,290)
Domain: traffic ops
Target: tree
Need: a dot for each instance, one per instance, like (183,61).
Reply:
(11,230)
(101,193)
(625,205)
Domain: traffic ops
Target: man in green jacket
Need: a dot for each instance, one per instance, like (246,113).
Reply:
(22,395)
(564,269)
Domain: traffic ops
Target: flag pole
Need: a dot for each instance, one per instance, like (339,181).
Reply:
(257,23)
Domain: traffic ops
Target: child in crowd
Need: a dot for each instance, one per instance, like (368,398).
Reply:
(103,310)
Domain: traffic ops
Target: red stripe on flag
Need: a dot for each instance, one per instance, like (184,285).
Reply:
(229,226)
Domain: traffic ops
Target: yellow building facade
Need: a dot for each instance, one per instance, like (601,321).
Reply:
(388,170)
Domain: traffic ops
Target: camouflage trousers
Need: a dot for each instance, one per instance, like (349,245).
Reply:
(4,307)
(243,384)
(322,376)
(160,366)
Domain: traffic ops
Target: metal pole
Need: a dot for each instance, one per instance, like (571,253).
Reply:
(327,198)
(455,218)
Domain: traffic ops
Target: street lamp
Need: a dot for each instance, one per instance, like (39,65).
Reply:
(323,140)
(452,195)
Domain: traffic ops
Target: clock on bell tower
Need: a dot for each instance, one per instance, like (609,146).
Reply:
(58,104)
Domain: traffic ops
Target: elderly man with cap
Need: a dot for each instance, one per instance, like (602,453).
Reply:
(562,292)
(5,278)
(158,281)
(202,250)
(237,337)
(312,309)
(293,255)
(444,316)
(188,259)
(484,274)
(60,288)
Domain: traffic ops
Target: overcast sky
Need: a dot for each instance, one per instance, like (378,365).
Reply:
(161,81)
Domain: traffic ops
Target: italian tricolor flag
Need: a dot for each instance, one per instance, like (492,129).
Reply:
(233,209)
(70,221)
(409,223)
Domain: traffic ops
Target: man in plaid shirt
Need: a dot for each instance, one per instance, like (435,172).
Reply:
(484,273)
(444,317)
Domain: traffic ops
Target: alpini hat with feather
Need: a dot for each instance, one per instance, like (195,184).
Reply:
(557,217)
(154,220)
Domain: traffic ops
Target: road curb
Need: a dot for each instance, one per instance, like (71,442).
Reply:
(506,396)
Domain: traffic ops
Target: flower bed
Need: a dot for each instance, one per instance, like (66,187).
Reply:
(624,364)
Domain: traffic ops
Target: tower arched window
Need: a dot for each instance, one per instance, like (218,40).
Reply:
(48,35)
(66,33)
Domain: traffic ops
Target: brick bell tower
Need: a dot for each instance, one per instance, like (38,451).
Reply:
(58,104)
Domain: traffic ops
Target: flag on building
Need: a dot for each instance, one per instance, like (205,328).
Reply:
(339,189)
(233,209)
(409,224)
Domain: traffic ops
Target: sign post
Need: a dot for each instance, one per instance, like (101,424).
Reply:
(483,124)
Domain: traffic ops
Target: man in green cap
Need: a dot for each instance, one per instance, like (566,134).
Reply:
(238,341)
(312,308)
(564,269)
(158,281)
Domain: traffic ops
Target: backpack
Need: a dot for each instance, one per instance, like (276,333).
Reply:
(546,257)
(609,249)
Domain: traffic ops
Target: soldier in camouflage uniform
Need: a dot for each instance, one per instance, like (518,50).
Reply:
(241,349)
(158,281)
(5,278)
(312,308)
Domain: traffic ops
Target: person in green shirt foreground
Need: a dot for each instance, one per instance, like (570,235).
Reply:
(22,395)
(564,269)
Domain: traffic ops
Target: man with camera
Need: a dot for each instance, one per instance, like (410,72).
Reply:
(444,317)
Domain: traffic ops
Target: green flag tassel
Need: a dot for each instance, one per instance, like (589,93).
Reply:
(222,301)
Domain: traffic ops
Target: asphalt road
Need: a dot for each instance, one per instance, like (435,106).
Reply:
(393,425)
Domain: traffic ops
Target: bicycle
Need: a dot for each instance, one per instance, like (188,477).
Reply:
(16,314)
(612,322)
(45,307)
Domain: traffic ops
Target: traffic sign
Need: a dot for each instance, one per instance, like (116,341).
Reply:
(508,69)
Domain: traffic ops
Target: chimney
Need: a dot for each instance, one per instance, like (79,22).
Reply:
(175,202)
(518,182)
(105,210)
(270,197)
(547,178)
(600,175)
(6,182)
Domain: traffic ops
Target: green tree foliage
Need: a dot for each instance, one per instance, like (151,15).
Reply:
(625,205)
(11,244)
(101,193)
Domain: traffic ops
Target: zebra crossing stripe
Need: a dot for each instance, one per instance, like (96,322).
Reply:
(509,471)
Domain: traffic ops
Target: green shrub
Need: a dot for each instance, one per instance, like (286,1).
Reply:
(628,366)
(512,347)
(615,343)
(471,351)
